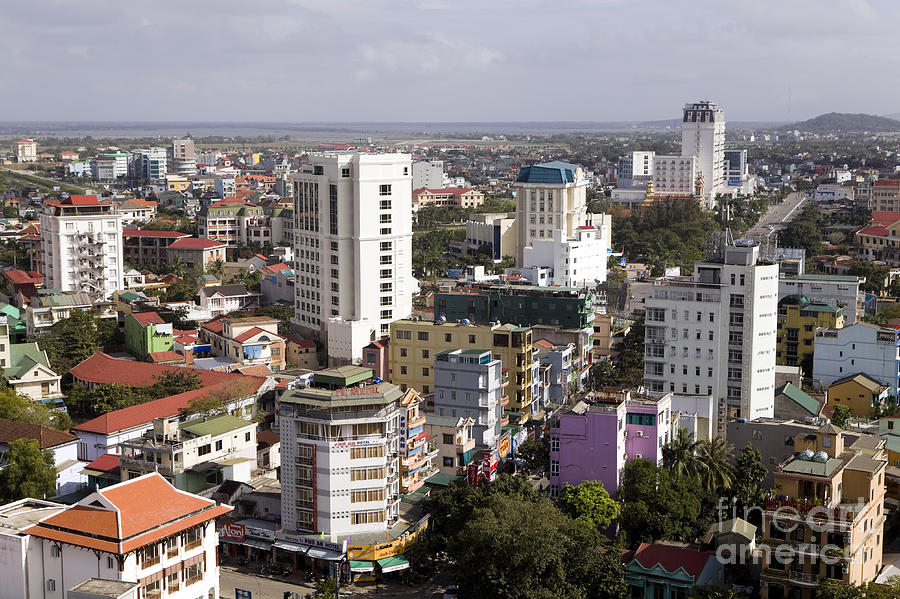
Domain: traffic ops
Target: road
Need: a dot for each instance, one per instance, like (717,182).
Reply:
(777,216)
(24,175)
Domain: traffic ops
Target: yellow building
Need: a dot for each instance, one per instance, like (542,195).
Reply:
(826,520)
(177,183)
(414,343)
(860,392)
(798,319)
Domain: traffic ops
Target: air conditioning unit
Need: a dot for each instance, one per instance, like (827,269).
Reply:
(640,433)
(845,569)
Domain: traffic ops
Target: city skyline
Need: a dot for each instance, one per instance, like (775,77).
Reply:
(429,60)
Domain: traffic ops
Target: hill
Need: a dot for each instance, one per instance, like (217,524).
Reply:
(846,123)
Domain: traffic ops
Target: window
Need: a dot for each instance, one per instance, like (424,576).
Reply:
(386,273)
(219,445)
(425,372)
(448,337)
(554,443)
(425,353)
(384,190)
(51,584)
(422,336)
(54,551)
(472,339)
(384,218)
(554,467)
(402,352)
(448,439)
(387,314)
(193,573)
(345,172)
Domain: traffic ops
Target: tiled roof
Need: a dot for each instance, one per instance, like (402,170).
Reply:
(102,368)
(105,463)
(20,277)
(214,326)
(273,268)
(268,438)
(672,558)
(800,397)
(82,200)
(195,243)
(255,370)
(166,356)
(251,333)
(877,230)
(149,233)
(23,357)
(145,318)
(885,218)
(226,290)
(134,513)
(10,430)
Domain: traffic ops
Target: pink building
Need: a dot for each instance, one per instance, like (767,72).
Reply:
(595,439)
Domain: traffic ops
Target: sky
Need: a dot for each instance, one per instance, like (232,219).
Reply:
(445,60)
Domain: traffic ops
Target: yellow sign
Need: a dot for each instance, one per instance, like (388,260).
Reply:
(504,447)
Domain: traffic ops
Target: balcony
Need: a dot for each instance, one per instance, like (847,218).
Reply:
(804,578)
(191,580)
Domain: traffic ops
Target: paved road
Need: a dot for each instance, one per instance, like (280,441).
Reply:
(777,216)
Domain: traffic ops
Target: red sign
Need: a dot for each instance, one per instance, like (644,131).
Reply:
(504,447)
(357,390)
(232,530)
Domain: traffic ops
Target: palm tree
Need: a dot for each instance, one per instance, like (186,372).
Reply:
(217,267)
(717,471)
(679,455)
(178,267)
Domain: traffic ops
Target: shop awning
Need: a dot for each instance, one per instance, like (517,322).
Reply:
(393,563)
(288,546)
(319,553)
(356,566)
(230,541)
(258,544)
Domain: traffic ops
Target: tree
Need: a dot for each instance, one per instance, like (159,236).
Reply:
(181,291)
(680,455)
(747,490)
(536,453)
(284,314)
(875,274)
(217,267)
(716,470)
(841,415)
(29,472)
(834,589)
(590,502)
(326,589)
(173,382)
(72,340)
(23,409)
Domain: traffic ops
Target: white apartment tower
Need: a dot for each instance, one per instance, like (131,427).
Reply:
(549,196)
(81,245)
(703,136)
(714,333)
(339,462)
(184,157)
(353,248)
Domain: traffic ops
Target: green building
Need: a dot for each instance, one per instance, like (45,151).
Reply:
(525,305)
(147,333)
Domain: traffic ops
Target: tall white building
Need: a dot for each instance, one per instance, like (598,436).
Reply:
(26,150)
(149,163)
(703,136)
(184,157)
(635,170)
(676,176)
(428,173)
(81,245)
(549,196)
(714,333)
(353,247)
(577,261)
(339,447)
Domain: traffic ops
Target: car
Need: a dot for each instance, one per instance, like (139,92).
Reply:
(451,592)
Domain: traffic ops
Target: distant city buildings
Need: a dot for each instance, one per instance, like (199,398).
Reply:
(184,157)
(26,150)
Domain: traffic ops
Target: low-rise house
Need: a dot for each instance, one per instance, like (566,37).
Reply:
(193,455)
(302,353)
(143,247)
(222,299)
(664,571)
(276,283)
(268,450)
(417,453)
(792,403)
(453,197)
(376,357)
(249,341)
(455,442)
(103,472)
(63,446)
(861,393)
(48,307)
(21,286)
(28,372)
(138,210)
(147,333)
(196,252)
(140,533)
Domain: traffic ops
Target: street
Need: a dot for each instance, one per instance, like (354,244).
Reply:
(777,216)
(262,587)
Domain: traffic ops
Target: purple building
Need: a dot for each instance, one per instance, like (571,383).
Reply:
(599,434)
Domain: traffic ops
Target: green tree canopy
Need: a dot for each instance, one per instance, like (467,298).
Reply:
(841,415)
(23,409)
(748,489)
(536,453)
(590,502)
(29,472)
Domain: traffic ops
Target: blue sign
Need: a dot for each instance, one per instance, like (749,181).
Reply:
(242,594)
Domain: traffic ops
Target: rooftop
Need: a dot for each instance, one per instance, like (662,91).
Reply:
(11,430)
(556,172)
(216,426)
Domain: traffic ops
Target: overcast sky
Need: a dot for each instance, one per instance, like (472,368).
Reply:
(445,60)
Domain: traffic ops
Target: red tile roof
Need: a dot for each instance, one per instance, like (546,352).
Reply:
(145,318)
(885,218)
(10,430)
(141,511)
(250,333)
(877,230)
(166,356)
(273,268)
(83,200)
(20,277)
(102,368)
(195,243)
(444,190)
(671,558)
(214,326)
(108,462)
(887,183)
(149,233)
(255,370)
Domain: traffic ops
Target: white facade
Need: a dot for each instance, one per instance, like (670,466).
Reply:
(579,261)
(353,248)
(428,173)
(861,347)
(26,150)
(676,175)
(468,384)
(635,169)
(149,163)
(81,246)
(839,290)
(703,136)
(340,470)
(549,196)
(224,187)
(831,192)
(714,334)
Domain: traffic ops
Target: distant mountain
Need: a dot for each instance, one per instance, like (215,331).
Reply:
(847,123)
(895,116)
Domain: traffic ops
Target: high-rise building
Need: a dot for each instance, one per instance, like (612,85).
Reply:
(353,248)
(81,245)
(703,136)
(549,196)
(339,462)
(184,157)
(428,174)
(714,333)
(469,383)
(677,176)
(149,163)
(635,170)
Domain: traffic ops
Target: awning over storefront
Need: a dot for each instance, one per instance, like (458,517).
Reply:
(288,546)
(230,541)
(393,564)
(265,545)
(319,553)
(356,566)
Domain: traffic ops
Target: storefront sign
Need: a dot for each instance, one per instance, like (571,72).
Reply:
(314,542)
(504,447)
(349,391)
(254,532)
(232,530)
